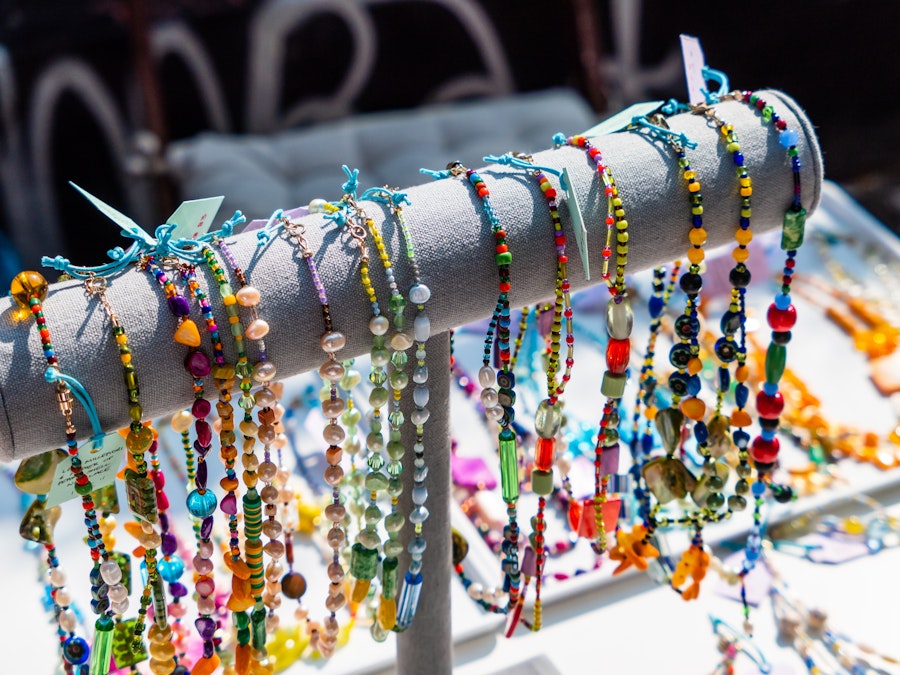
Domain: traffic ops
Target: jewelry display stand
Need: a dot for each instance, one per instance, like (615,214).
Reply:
(455,250)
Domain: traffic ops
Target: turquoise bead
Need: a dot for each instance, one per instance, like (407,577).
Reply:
(201,504)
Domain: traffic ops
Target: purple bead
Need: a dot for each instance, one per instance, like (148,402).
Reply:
(206,627)
(529,566)
(609,461)
(197,364)
(163,522)
(229,504)
(200,409)
(169,544)
(202,450)
(178,589)
(204,432)
(206,527)
(208,649)
(200,478)
(179,305)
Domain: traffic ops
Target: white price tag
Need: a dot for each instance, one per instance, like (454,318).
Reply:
(100,466)
(694,61)
(194,218)
(117,217)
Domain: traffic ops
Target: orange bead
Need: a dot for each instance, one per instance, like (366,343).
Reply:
(742,373)
(740,254)
(694,366)
(740,418)
(650,412)
(187,334)
(206,666)
(693,408)
(743,236)
(697,236)
(696,255)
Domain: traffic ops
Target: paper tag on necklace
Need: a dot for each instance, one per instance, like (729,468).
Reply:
(692,54)
(100,466)
(194,218)
(577,222)
(118,218)
(622,118)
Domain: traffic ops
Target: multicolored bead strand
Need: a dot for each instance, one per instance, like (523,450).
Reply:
(332,370)
(109,595)
(139,488)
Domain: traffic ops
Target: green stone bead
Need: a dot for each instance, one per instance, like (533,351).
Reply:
(776,355)
(237,329)
(792,229)
(135,412)
(613,386)
(509,466)
(503,259)
(363,562)
(131,381)
(376,481)
(395,450)
(258,619)
(231,310)
(542,482)
(395,487)
(393,548)
(399,380)
(389,576)
(394,522)
(397,304)
(351,417)
(373,514)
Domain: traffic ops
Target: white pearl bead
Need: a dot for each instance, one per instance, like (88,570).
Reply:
(248,296)
(494,413)
(67,620)
(265,398)
(257,330)
(486,376)
(110,572)
(333,341)
(379,325)
(331,370)
(264,372)
(489,397)
(419,294)
(182,421)
(333,408)
(317,206)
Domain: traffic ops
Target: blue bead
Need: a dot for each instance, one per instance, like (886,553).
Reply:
(787,138)
(782,301)
(171,570)
(697,221)
(724,379)
(738,159)
(201,504)
(647,443)
(758,489)
(770,389)
(656,306)
(741,438)
(744,222)
(701,433)
(75,650)
(693,385)
(752,554)
(767,435)
(741,393)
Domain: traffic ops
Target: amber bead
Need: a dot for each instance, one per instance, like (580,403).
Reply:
(26,285)
(618,353)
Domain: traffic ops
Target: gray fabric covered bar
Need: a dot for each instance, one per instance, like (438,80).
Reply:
(455,251)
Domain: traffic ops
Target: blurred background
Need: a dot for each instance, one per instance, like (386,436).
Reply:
(147,103)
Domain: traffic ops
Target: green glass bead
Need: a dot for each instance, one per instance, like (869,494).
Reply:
(767,113)
(792,229)
(351,417)
(394,468)
(509,466)
(397,304)
(101,649)
(396,418)
(776,355)
(399,380)
(130,378)
(123,560)
(503,259)
(373,514)
(135,412)
(82,490)
(226,290)
(613,386)
(395,487)
(363,562)
(393,548)
(246,402)
(668,423)
(231,310)
(542,482)
(258,619)
(395,450)
(243,369)
(379,395)
(399,359)
(817,455)
(237,329)
(389,576)
(375,461)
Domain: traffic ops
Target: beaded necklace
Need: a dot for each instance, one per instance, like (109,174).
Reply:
(332,341)
(419,294)
(502,409)
(110,597)
(141,495)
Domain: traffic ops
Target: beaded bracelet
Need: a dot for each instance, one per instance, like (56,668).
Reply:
(29,290)
(619,323)
(509,454)
(141,496)
(419,294)
(332,341)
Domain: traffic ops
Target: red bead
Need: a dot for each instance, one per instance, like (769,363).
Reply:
(769,407)
(543,453)
(504,286)
(760,103)
(781,320)
(618,353)
(502,248)
(763,451)
(550,193)
(790,262)
(781,125)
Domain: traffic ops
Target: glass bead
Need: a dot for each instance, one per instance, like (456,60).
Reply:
(26,285)
(422,328)
(764,451)
(409,599)
(110,572)
(201,505)
(542,481)
(419,294)
(668,479)
(618,354)
(418,515)
(776,356)
(548,419)
(612,385)
(420,416)
(75,650)
(544,453)
(781,320)
(101,651)
(509,466)
(420,375)
(769,407)
(619,319)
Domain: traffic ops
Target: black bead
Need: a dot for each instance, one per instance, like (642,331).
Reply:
(739,276)
(679,355)
(678,384)
(781,338)
(731,322)
(769,425)
(783,494)
(725,350)
(691,283)
(684,327)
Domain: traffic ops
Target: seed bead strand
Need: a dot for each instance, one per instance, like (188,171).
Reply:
(509,453)
(325,637)
(141,492)
(29,290)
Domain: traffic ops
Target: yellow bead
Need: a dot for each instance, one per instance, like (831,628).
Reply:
(387,613)
(733,147)
(745,182)
(121,339)
(697,210)
(740,254)
(697,236)
(746,191)
(688,175)
(617,201)
(696,256)
(187,334)
(25,285)
(694,187)
(622,224)
(650,412)
(743,236)
(746,213)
